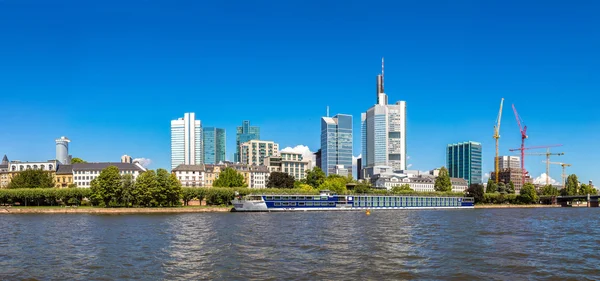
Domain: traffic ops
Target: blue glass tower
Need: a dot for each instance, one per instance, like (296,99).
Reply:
(244,133)
(214,145)
(464,161)
(336,144)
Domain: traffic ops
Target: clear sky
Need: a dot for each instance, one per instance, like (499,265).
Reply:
(110,75)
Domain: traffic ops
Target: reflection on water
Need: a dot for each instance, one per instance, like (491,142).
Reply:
(452,244)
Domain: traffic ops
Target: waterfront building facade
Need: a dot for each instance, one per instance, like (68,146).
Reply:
(186,141)
(4,180)
(463,160)
(254,152)
(15,167)
(190,175)
(205,175)
(64,176)
(244,133)
(383,132)
(336,144)
(291,163)
(419,183)
(84,173)
(214,145)
(513,175)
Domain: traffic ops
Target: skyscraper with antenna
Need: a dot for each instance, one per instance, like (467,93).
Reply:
(383,132)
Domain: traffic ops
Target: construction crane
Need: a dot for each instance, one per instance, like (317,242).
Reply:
(522,149)
(564,174)
(496,137)
(547,154)
(523,129)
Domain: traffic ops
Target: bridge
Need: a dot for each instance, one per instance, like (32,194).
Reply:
(571,201)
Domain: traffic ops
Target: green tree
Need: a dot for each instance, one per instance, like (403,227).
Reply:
(162,189)
(107,185)
(528,194)
(502,188)
(476,191)
(176,193)
(400,188)
(144,188)
(305,187)
(77,160)
(572,186)
(550,190)
(280,180)
(32,179)
(315,177)
(491,187)
(442,182)
(230,178)
(587,189)
(334,184)
(362,188)
(125,194)
(510,188)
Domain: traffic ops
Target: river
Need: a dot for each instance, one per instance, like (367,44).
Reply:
(484,244)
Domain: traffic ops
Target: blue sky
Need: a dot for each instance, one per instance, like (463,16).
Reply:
(111,75)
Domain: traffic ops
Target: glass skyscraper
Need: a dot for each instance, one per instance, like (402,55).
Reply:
(464,161)
(336,144)
(186,141)
(244,133)
(214,145)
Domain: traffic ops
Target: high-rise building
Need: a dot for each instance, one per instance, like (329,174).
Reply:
(62,150)
(186,141)
(254,152)
(126,159)
(291,163)
(336,144)
(214,145)
(318,159)
(508,162)
(383,132)
(244,133)
(464,161)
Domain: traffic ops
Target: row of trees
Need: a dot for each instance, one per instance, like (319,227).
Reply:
(151,189)
(528,194)
(493,187)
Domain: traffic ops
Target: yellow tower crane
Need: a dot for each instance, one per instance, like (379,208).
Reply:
(564,174)
(496,137)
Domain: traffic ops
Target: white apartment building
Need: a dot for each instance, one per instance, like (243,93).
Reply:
(383,132)
(186,141)
(419,183)
(508,162)
(84,173)
(254,152)
(291,163)
(191,175)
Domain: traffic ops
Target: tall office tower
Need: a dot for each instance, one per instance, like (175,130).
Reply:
(244,133)
(62,150)
(336,144)
(186,141)
(464,161)
(214,145)
(383,132)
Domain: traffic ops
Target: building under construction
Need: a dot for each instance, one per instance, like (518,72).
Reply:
(512,174)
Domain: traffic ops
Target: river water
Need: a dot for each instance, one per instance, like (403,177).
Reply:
(484,244)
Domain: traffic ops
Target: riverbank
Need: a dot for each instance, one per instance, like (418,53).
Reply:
(504,206)
(96,210)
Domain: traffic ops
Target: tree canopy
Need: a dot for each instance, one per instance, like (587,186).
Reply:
(572,186)
(491,187)
(528,194)
(442,182)
(476,191)
(550,190)
(230,178)
(77,160)
(314,177)
(400,188)
(335,183)
(280,180)
(106,186)
(32,179)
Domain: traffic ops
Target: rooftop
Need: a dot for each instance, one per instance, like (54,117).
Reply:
(102,165)
(64,170)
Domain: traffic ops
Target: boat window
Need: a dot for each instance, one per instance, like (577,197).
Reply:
(292,197)
(301,204)
(284,203)
(277,197)
(292,204)
(323,203)
(277,203)
(285,198)
(317,198)
(269,198)
(309,204)
(323,197)
(331,204)
(300,197)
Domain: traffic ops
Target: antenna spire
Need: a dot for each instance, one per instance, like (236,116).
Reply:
(382,76)
(328,111)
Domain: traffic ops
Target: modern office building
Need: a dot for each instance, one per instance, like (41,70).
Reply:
(509,162)
(336,144)
(383,132)
(514,175)
(62,150)
(463,160)
(359,171)
(318,159)
(186,141)
(254,152)
(244,133)
(214,145)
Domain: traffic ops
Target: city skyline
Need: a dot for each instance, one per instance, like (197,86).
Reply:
(67,81)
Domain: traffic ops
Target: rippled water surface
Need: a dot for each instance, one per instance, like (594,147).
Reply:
(485,244)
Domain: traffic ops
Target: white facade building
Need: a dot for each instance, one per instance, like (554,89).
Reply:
(18,166)
(191,175)
(84,173)
(423,183)
(383,129)
(507,162)
(291,163)
(254,152)
(186,141)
